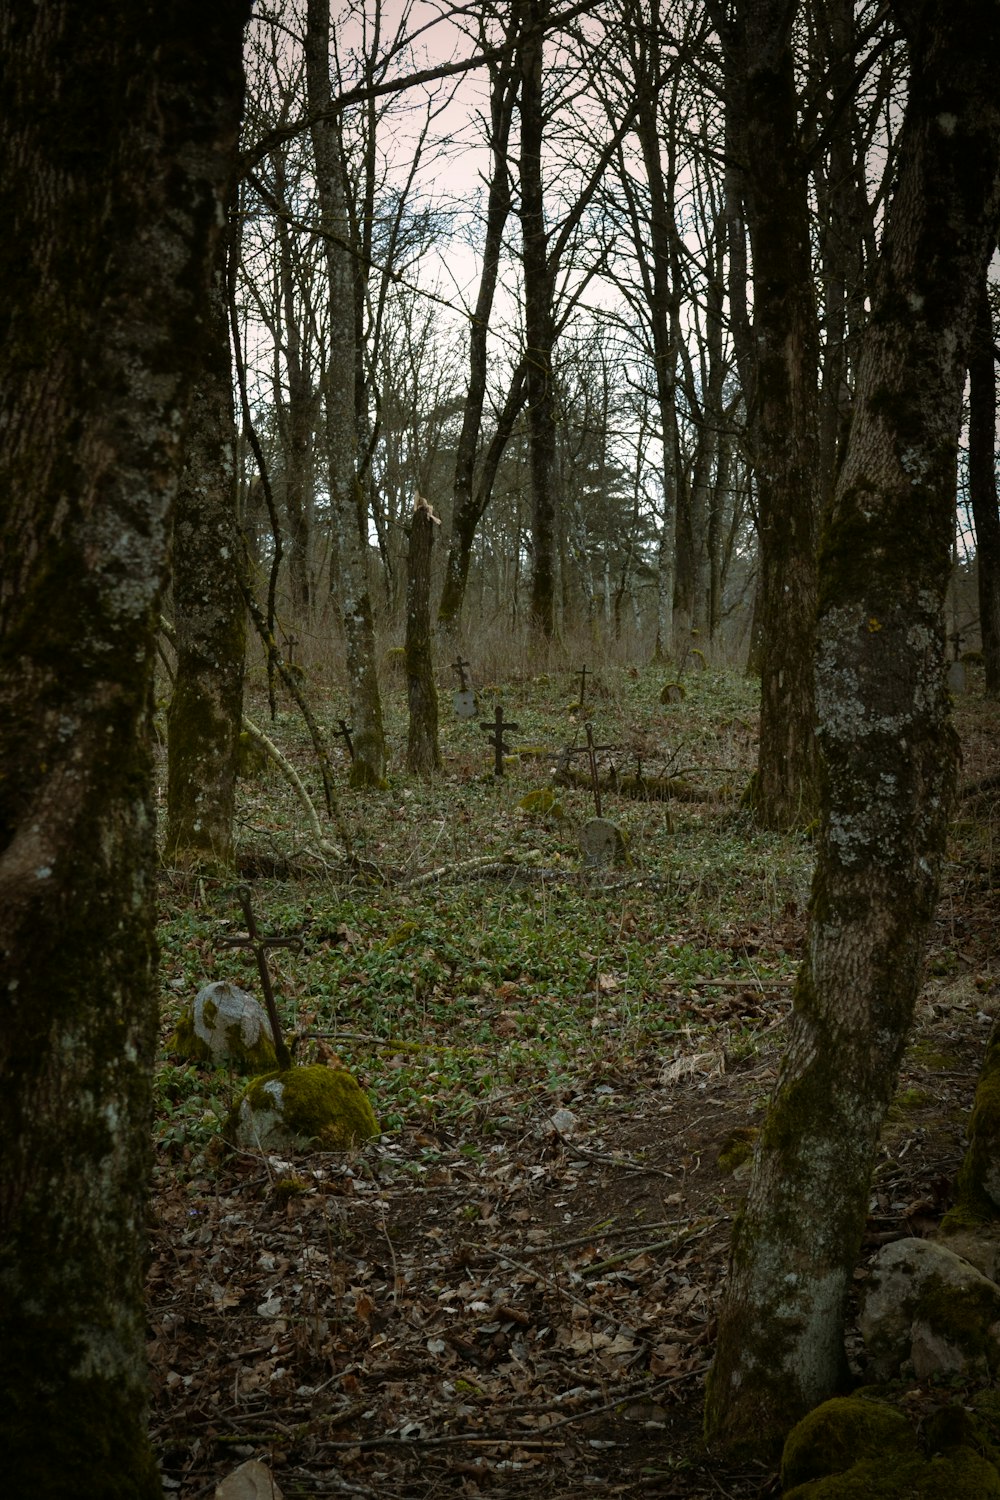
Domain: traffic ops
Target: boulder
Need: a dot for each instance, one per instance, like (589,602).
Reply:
(852,1448)
(928,1311)
(841,1433)
(301,1109)
(226,1025)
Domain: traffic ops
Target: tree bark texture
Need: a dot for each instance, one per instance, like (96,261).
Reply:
(887,752)
(209,617)
(422,753)
(347,521)
(983,485)
(117,141)
(784,412)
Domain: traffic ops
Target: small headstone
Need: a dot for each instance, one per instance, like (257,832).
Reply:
(603,843)
(251,1481)
(464,701)
(956,677)
(226,1025)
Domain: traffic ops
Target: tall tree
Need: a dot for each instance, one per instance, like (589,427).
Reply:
(781,365)
(539,321)
(983,483)
(206,707)
(348,513)
(887,747)
(469,502)
(117,141)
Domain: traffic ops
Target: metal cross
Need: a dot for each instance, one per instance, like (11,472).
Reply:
(345,731)
(496,739)
(258,943)
(592,757)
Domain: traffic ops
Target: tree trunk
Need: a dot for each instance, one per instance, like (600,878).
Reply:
(983,485)
(539,327)
(468,506)
(112,196)
(888,752)
(783,421)
(349,527)
(206,708)
(422,753)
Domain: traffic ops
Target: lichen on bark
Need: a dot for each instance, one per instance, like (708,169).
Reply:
(887,754)
(111,205)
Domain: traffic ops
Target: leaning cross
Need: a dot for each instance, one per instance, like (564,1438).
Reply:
(595,780)
(345,731)
(258,943)
(496,739)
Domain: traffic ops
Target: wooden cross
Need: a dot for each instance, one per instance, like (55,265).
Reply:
(498,728)
(345,732)
(460,667)
(258,943)
(583,682)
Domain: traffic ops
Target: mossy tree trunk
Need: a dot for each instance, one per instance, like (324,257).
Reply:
(422,753)
(887,750)
(983,484)
(783,419)
(206,708)
(348,512)
(112,196)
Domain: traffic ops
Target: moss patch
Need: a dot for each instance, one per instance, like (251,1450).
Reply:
(315,1106)
(840,1433)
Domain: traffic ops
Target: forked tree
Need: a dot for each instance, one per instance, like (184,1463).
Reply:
(888,751)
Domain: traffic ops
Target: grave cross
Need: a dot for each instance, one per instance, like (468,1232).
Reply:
(496,739)
(345,732)
(583,682)
(258,943)
(463,676)
(594,778)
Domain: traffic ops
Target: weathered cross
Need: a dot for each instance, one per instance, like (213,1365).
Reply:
(258,943)
(463,676)
(345,732)
(592,757)
(496,739)
(583,682)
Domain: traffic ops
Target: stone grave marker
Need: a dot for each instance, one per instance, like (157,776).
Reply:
(602,841)
(464,697)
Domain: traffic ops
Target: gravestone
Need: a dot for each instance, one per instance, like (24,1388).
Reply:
(956,677)
(464,696)
(603,843)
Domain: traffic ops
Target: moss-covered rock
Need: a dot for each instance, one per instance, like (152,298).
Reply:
(929,1310)
(302,1108)
(226,1025)
(737,1149)
(958,1475)
(543,803)
(978,1183)
(841,1433)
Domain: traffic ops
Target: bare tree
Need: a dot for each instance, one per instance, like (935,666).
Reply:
(348,515)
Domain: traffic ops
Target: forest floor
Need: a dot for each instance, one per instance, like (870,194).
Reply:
(511,1292)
